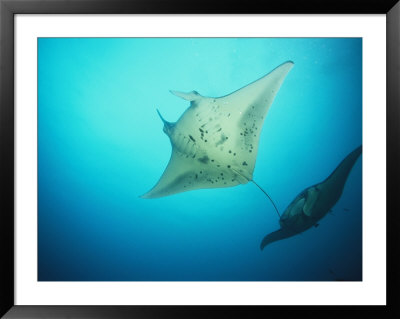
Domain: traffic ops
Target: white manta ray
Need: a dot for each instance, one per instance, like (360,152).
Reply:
(215,141)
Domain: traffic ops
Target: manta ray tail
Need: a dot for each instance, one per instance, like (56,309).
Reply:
(268,197)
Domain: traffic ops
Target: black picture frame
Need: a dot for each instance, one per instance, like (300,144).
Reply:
(8,8)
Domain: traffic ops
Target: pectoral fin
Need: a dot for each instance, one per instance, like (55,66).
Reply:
(275,236)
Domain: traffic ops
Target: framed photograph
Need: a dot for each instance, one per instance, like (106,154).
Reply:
(167,160)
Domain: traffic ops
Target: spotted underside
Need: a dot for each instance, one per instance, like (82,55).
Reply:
(215,141)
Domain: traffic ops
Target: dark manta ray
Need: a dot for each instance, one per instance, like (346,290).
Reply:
(313,203)
(215,141)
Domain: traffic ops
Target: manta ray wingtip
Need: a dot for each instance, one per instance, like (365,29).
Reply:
(145,196)
(288,63)
(150,194)
(284,67)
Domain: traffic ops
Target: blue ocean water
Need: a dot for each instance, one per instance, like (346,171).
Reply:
(101,145)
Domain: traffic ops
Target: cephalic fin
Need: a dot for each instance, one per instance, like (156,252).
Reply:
(190,96)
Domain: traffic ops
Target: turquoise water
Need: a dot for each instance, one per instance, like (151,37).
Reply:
(101,146)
